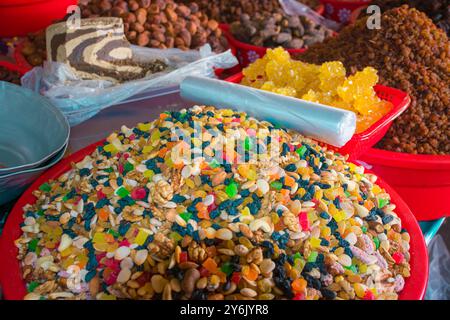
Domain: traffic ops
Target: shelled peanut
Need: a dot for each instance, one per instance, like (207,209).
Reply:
(161,23)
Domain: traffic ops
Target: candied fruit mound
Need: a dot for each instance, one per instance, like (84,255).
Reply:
(325,84)
(332,75)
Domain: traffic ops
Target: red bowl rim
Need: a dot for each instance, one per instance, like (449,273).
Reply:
(10,270)
(407,160)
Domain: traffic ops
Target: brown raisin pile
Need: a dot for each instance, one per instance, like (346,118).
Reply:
(411,54)
(437,10)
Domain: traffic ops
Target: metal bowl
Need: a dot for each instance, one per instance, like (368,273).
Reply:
(32,130)
(13,184)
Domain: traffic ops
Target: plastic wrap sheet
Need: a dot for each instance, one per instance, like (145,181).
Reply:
(330,125)
(80,99)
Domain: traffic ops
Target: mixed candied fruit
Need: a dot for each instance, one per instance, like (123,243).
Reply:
(130,221)
(326,84)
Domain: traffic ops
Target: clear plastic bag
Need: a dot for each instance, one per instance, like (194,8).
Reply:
(439,270)
(293,7)
(80,99)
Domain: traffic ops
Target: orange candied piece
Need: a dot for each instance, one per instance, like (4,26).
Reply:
(299,285)
(289,181)
(103,214)
(222,276)
(163,116)
(369,205)
(249,273)
(202,211)
(210,265)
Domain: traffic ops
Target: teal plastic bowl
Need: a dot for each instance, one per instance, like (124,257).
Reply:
(32,130)
(14,184)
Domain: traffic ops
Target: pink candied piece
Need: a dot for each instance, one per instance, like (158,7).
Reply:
(236,120)
(124,243)
(126,155)
(112,264)
(212,207)
(291,148)
(316,203)
(299,296)
(120,168)
(132,137)
(251,132)
(100,256)
(368,295)
(111,279)
(304,221)
(100,194)
(138,193)
(399,283)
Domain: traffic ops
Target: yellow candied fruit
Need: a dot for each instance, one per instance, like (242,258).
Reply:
(315,242)
(326,84)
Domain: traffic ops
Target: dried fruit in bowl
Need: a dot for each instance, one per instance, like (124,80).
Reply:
(133,220)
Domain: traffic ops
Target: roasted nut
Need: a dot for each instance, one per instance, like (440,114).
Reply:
(141,15)
(143,39)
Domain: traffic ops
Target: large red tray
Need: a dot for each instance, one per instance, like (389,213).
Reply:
(361,142)
(10,270)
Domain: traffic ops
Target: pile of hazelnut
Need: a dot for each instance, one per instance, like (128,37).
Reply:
(160,23)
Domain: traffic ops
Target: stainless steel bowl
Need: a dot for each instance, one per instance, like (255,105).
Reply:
(32,130)
(13,184)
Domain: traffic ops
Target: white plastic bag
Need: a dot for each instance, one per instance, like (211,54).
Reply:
(80,99)
(439,270)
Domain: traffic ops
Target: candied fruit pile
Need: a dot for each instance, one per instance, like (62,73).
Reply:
(326,84)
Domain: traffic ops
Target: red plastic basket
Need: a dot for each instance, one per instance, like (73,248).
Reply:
(361,142)
(10,270)
(423,181)
(343,11)
(20,17)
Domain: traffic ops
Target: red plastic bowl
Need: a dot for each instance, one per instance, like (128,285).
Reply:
(423,181)
(13,67)
(343,11)
(14,286)
(20,17)
(20,58)
(247,53)
(361,142)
